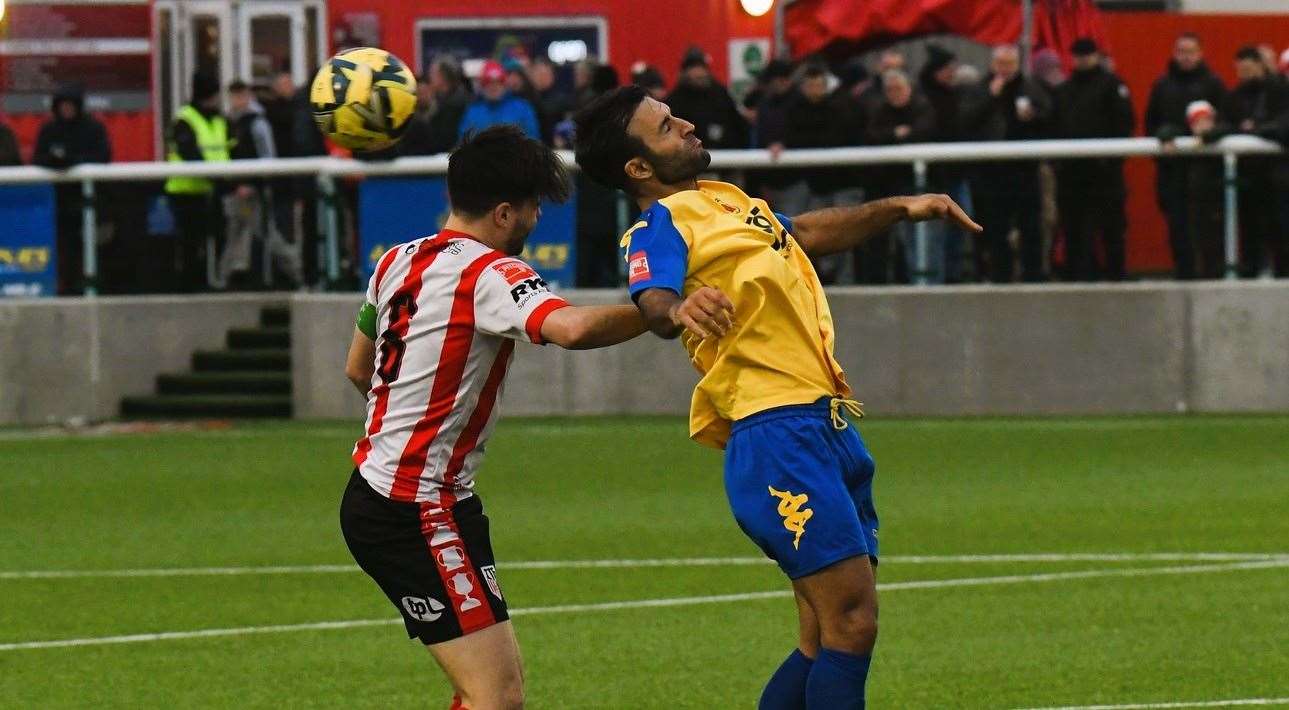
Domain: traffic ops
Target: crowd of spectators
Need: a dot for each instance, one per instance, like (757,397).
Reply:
(1048,220)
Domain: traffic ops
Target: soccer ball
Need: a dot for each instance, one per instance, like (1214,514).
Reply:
(362,98)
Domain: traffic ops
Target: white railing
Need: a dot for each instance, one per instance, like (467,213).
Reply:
(920,156)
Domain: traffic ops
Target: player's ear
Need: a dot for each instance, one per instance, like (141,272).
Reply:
(638,169)
(503,215)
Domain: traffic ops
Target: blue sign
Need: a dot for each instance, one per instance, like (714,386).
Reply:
(392,211)
(28,251)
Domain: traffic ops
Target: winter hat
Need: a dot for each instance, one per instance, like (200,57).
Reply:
(938,57)
(1199,109)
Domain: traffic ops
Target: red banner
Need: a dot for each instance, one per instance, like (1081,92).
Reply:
(847,26)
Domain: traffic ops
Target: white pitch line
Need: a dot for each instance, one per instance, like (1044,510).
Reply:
(664,562)
(651,603)
(1195,704)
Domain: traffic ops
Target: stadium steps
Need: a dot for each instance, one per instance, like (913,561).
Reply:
(250,378)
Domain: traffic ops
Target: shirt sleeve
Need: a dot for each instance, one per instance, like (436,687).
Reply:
(656,253)
(784,220)
(512,301)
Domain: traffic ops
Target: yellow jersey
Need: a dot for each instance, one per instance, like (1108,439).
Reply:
(780,351)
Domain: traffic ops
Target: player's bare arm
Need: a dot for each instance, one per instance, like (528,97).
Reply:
(706,313)
(837,229)
(587,327)
(360,364)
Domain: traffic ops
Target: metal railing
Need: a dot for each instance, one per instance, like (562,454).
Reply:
(920,156)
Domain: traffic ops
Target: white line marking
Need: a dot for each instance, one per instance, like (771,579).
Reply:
(654,603)
(665,562)
(1196,704)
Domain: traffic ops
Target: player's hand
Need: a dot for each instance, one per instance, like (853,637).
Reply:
(922,208)
(706,313)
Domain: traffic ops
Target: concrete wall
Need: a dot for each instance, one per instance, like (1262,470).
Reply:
(1156,347)
(70,358)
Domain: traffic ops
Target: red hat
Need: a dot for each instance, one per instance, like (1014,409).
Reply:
(1199,109)
(1284,61)
(492,72)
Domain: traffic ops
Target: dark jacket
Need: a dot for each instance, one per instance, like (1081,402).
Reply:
(9,154)
(443,122)
(920,117)
(815,125)
(717,121)
(280,113)
(1265,104)
(63,143)
(1093,104)
(986,117)
(771,128)
(1173,92)
(946,106)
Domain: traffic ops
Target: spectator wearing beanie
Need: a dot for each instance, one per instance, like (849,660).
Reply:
(705,102)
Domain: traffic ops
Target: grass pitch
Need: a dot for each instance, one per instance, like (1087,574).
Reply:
(1109,616)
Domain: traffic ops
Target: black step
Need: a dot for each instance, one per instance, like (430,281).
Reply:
(206,405)
(275,316)
(261,359)
(250,338)
(225,383)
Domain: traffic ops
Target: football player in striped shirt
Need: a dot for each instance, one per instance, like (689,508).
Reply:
(797,474)
(430,353)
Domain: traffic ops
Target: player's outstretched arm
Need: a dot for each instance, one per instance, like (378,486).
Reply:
(706,313)
(360,365)
(837,229)
(587,327)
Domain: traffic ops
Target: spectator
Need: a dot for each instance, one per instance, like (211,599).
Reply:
(199,134)
(1048,70)
(307,141)
(1093,103)
(904,117)
(1203,181)
(496,105)
(279,109)
(70,137)
(1187,80)
(938,85)
(1259,105)
(704,102)
(1284,64)
(597,206)
(776,93)
(583,74)
(9,154)
(1007,106)
(649,79)
(247,207)
(449,98)
(553,104)
(853,81)
(417,137)
(890,60)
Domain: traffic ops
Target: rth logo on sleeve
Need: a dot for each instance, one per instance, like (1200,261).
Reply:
(638,268)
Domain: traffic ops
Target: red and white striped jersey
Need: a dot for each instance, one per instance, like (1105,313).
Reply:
(449,310)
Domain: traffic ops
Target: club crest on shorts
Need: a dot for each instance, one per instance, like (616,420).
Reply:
(490,576)
(794,515)
(423,608)
(463,586)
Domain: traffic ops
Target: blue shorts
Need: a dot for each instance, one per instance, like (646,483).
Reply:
(801,488)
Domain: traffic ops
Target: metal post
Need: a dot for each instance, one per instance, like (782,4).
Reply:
(89,238)
(780,36)
(331,224)
(922,259)
(1231,162)
(1026,35)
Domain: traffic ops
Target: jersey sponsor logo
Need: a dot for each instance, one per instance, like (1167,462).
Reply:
(638,268)
(462,585)
(423,608)
(514,271)
(451,558)
(756,218)
(728,208)
(528,288)
(490,576)
(793,512)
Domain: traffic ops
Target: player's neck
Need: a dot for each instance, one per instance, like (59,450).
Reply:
(477,229)
(650,194)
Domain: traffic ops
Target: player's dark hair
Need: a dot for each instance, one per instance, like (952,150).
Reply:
(604,146)
(501,164)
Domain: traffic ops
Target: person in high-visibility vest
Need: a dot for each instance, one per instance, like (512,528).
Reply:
(199,133)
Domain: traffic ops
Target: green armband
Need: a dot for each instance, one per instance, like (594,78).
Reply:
(366,320)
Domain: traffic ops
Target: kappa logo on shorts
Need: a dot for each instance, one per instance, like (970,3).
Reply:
(490,576)
(423,608)
(794,515)
(462,585)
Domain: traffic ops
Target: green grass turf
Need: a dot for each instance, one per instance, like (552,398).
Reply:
(266,494)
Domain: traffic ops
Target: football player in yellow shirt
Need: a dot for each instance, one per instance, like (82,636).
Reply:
(734,280)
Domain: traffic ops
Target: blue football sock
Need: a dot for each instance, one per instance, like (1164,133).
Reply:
(837,681)
(787,687)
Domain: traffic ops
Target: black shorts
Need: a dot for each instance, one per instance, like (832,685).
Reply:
(435,566)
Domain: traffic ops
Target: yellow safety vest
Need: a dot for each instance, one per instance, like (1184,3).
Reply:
(212,139)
